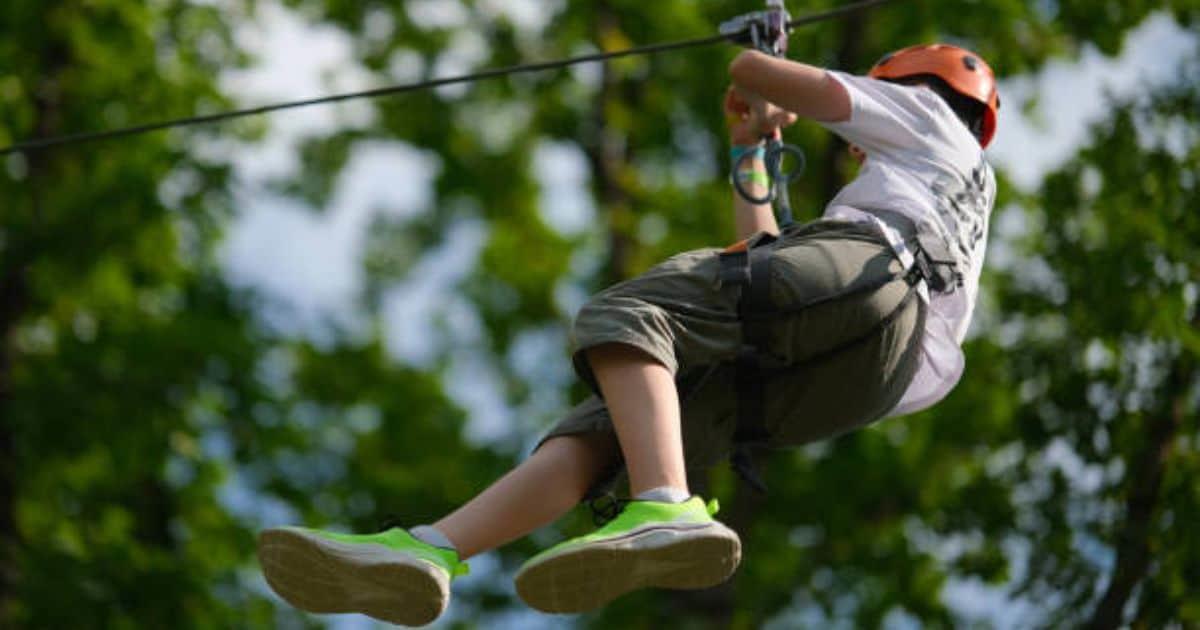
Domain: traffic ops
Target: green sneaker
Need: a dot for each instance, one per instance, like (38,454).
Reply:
(650,544)
(390,576)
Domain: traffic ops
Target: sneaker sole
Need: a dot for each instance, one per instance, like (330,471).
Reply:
(662,556)
(324,576)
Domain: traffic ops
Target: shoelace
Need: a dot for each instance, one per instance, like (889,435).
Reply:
(606,507)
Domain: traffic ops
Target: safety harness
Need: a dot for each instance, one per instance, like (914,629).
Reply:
(928,265)
(745,270)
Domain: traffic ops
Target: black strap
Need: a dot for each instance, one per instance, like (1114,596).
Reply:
(753,308)
(735,271)
(749,271)
(932,260)
(744,462)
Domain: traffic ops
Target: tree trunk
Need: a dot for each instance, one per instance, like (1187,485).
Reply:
(1133,539)
(849,58)
(14,302)
(609,155)
(716,605)
(12,305)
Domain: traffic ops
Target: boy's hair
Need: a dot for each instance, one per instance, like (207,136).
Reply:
(969,111)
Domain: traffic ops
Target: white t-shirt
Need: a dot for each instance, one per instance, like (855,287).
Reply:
(923,162)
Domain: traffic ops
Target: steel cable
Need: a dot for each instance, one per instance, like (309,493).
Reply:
(90,136)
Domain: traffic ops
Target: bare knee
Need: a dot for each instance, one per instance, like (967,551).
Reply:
(589,455)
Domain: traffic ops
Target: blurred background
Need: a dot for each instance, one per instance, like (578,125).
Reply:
(330,315)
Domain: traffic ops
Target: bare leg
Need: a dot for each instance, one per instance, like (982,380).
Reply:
(535,493)
(644,404)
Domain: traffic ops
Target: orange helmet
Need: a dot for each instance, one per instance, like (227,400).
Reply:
(964,71)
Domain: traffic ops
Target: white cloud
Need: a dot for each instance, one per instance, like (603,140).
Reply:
(479,388)
(466,50)
(425,318)
(564,177)
(310,260)
(411,310)
(1072,96)
(294,60)
(435,14)
(528,16)
(495,125)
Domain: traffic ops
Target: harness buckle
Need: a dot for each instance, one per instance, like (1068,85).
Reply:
(735,268)
(940,276)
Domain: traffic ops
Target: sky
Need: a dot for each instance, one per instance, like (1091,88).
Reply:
(308,261)
(1073,96)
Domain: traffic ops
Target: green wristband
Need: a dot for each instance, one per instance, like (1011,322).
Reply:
(754,177)
(738,150)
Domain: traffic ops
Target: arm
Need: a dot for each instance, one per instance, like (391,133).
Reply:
(750,118)
(805,90)
(748,218)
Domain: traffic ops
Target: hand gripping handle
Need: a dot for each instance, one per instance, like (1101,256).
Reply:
(766,31)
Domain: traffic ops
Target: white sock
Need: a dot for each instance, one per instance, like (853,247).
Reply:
(431,536)
(664,494)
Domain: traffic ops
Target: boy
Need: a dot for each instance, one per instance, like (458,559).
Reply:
(824,328)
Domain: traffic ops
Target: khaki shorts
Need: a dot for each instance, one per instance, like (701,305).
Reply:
(844,341)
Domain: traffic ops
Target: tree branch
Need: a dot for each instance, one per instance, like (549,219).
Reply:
(609,154)
(848,58)
(1133,540)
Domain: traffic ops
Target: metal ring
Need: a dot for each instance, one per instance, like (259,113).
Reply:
(737,184)
(774,159)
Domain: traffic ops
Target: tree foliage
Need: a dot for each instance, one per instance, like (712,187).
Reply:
(1107,344)
(150,421)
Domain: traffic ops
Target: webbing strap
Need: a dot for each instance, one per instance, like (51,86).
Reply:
(755,302)
(749,271)
(931,259)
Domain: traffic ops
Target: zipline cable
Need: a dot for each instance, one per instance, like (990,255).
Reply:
(89,136)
